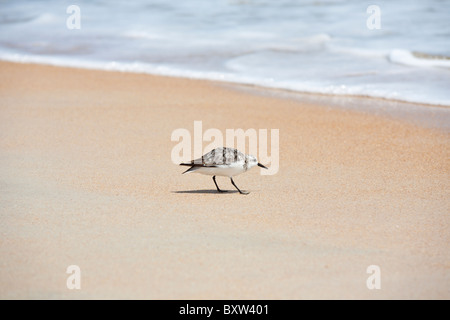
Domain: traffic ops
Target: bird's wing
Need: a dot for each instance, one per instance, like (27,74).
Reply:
(219,156)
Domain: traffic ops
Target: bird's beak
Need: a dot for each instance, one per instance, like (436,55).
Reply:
(260,165)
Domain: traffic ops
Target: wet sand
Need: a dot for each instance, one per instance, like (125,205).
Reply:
(86,179)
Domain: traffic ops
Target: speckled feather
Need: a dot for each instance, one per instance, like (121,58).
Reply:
(220,156)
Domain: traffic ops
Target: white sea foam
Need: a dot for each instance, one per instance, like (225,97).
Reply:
(408,58)
(301,46)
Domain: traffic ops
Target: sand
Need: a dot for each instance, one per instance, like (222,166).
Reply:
(86,179)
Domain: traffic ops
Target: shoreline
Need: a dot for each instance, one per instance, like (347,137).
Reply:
(256,87)
(420,114)
(86,179)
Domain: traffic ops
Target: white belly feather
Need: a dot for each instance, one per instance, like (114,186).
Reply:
(222,170)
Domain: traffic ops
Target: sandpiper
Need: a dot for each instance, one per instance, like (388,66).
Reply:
(226,162)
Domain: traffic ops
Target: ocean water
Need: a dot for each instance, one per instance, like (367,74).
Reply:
(305,46)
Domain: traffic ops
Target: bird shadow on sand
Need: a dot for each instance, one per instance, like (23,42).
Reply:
(205,191)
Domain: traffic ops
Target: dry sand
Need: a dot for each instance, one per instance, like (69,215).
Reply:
(86,179)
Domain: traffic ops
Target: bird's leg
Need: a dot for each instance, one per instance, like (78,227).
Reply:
(214,179)
(241,192)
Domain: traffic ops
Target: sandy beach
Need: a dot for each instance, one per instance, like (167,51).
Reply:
(86,179)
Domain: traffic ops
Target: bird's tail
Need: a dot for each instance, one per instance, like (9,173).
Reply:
(191,169)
